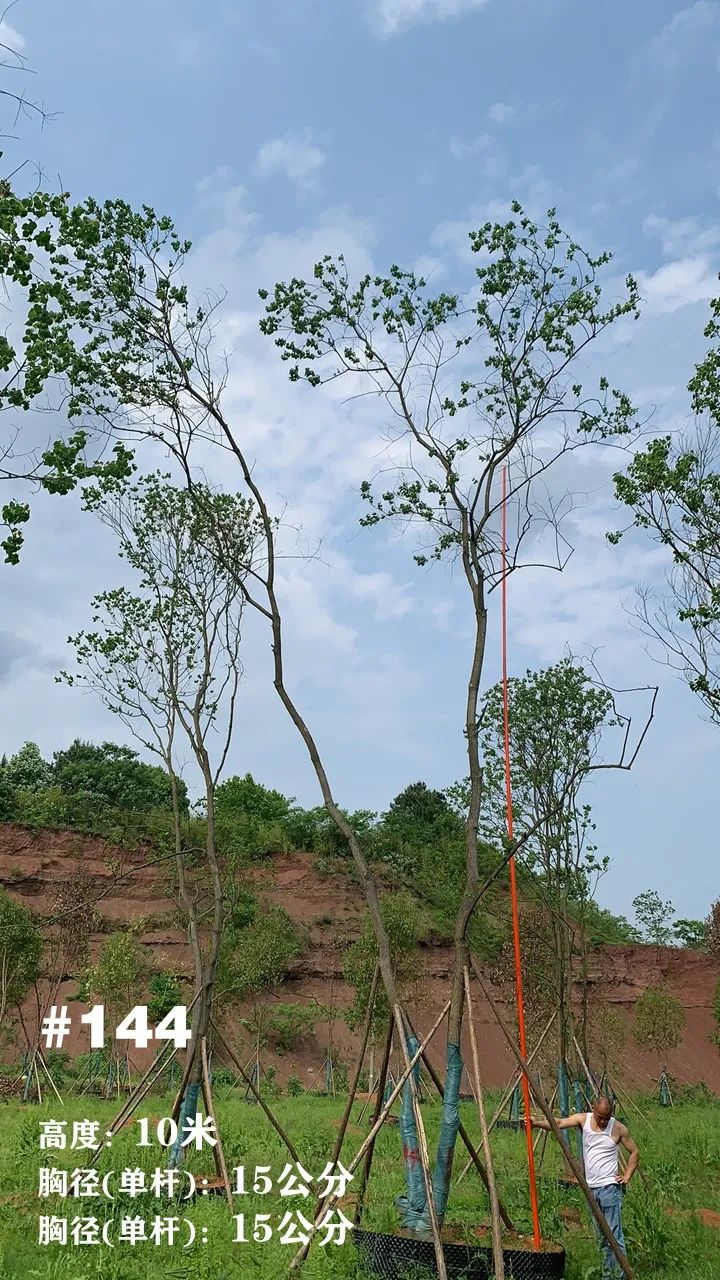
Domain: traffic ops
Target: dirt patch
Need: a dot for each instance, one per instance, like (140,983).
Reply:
(708,1217)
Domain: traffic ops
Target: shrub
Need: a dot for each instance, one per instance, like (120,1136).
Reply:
(20,952)
(258,955)
(114,775)
(244,796)
(288,1023)
(659,1022)
(406,926)
(164,993)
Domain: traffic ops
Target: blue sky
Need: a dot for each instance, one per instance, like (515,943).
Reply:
(387,129)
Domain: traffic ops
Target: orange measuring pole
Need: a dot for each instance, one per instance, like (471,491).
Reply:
(513,880)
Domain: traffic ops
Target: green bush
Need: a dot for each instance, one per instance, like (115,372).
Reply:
(20,953)
(8,800)
(60,1065)
(659,1022)
(165,993)
(258,955)
(247,798)
(406,924)
(114,775)
(288,1023)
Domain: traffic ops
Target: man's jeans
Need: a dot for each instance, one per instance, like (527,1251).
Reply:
(609,1200)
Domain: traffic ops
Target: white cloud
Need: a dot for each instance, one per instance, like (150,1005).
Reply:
(463,147)
(294,155)
(390,600)
(678,284)
(582,607)
(429,268)
(484,150)
(389,17)
(684,37)
(681,235)
(501,112)
(11,38)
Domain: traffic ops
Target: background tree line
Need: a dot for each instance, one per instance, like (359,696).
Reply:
(107,789)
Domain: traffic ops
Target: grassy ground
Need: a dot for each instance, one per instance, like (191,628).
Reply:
(680,1158)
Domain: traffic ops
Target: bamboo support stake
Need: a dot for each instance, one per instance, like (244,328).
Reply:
(422,1142)
(142,1088)
(369,1140)
(474,1157)
(371,1068)
(218,1151)
(46,1069)
(248,1081)
(508,1094)
(337,1147)
(498,1258)
(593,1205)
(380,1091)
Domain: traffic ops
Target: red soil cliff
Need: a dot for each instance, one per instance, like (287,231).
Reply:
(330,911)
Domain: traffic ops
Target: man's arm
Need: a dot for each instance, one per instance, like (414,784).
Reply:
(633,1157)
(562,1122)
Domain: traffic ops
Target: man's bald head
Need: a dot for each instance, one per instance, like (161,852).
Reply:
(602,1110)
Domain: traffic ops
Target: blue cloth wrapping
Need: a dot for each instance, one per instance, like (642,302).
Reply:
(413,1205)
(449,1127)
(564,1100)
(188,1109)
(579,1107)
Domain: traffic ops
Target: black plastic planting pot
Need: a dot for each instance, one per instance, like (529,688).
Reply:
(395,1257)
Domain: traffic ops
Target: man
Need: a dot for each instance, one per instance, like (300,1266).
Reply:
(602,1135)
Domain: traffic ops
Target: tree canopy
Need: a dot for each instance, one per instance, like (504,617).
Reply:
(246,796)
(20,952)
(659,1022)
(113,775)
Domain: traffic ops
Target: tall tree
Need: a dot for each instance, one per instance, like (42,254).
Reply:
(712,934)
(673,489)
(659,1023)
(468,384)
(557,720)
(166,659)
(142,359)
(654,917)
(149,356)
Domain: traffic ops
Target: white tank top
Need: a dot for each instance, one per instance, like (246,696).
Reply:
(600,1154)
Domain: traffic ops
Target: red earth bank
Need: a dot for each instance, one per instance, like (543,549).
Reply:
(330,910)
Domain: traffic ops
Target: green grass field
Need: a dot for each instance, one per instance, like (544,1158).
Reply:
(680,1159)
